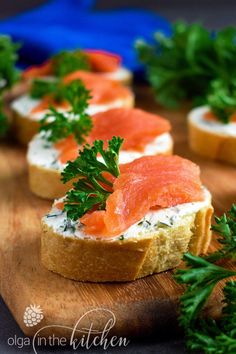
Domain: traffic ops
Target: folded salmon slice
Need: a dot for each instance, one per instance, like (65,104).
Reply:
(102,90)
(68,149)
(45,69)
(99,60)
(136,126)
(153,181)
(103,61)
(48,101)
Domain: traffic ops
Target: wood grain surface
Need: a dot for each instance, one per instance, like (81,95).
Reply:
(141,307)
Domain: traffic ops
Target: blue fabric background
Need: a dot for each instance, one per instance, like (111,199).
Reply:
(69,24)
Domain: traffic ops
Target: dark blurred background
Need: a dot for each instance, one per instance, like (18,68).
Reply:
(212,13)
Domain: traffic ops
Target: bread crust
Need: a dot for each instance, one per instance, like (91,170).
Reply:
(24,128)
(17,90)
(210,144)
(105,260)
(46,182)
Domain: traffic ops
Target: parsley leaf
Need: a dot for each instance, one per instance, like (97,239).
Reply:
(76,121)
(226,229)
(8,57)
(222,99)
(200,277)
(42,87)
(216,337)
(182,66)
(92,188)
(66,62)
(8,74)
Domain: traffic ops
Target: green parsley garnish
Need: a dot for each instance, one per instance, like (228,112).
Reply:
(200,278)
(91,188)
(222,99)
(8,74)
(66,62)
(219,337)
(42,87)
(8,57)
(59,125)
(184,66)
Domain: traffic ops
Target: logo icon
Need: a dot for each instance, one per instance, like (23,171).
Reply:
(33,315)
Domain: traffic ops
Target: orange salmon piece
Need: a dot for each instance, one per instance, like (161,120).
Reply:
(48,101)
(68,148)
(35,71)
(136,126)
(102,90)
(59,205)
(102,61)
(152,181)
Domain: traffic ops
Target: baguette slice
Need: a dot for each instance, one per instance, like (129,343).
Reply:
(45,181)
(25,126)
(141,254)
(211,139)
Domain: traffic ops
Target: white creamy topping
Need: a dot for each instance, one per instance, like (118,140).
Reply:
(196,116)
(121,74)
(24,105)
(151,222)
(42,153)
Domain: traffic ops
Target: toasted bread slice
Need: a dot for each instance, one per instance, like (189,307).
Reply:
(86,258)
(210,138)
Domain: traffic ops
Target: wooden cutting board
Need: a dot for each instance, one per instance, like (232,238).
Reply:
(141,307)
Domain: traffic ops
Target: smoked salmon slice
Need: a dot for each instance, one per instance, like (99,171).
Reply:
(136,126)
(46,102)
(45,69)
(102,90)
(99,61)
(102,61)
(68,149)
(152,181)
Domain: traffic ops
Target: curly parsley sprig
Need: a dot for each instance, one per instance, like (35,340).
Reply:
(186,65)
(66,62)
(8,57)
(222,99)
(8,75)
(200,277)
(92,188)
(43,87)
(213,337)
(225,227)
(59,125)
